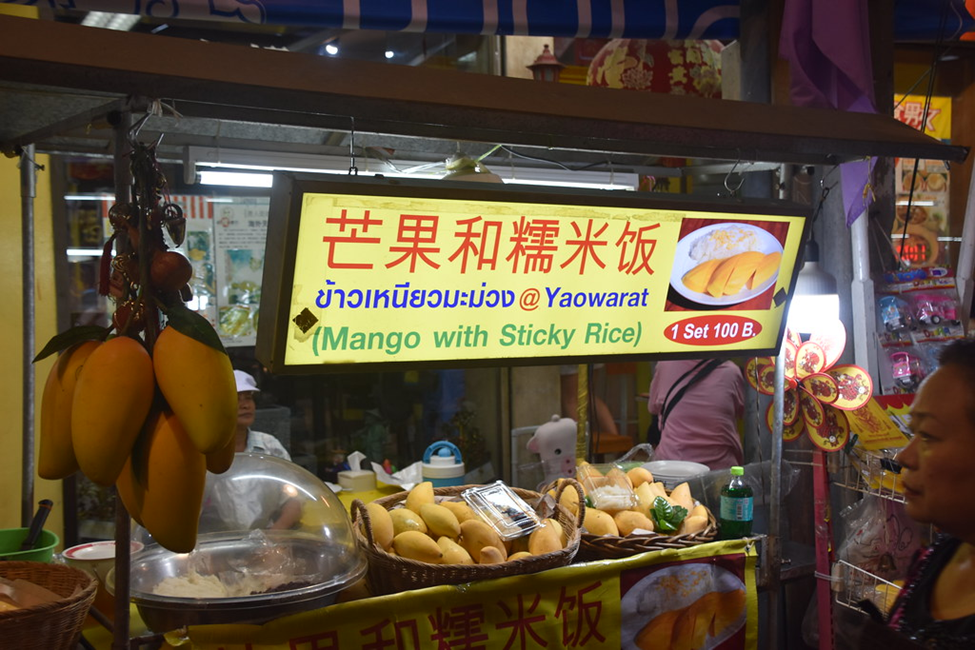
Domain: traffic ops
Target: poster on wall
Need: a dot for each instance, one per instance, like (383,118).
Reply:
(224,242)
(379,271)
(921,219)
(239,228)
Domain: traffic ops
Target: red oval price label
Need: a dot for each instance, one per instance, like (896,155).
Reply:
(713,329)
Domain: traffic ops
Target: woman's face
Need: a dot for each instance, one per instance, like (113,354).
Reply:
(939,463)
(245,408)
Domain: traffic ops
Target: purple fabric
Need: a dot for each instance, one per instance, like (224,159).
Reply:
(827,44)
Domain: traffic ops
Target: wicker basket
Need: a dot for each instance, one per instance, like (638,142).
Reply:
(611,547)
(52,626)
(389,574)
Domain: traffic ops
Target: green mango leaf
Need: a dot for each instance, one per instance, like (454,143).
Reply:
(69,337)
(666,518)
(195,326)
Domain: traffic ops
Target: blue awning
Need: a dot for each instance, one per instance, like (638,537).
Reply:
(915,20)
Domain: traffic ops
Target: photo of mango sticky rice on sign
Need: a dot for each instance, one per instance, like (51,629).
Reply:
(725,264)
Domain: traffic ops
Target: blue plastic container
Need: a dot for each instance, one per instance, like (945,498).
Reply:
(442,464)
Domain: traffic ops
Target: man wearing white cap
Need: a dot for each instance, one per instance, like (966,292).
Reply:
(233,503)
(247,440)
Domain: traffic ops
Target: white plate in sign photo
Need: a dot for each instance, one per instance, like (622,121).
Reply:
(725,263)
(692,605)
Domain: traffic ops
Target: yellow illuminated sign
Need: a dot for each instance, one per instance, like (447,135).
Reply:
(909,109)
(374,278)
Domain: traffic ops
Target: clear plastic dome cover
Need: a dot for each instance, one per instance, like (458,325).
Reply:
(270,532)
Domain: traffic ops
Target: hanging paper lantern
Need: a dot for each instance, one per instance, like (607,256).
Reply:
(674,67)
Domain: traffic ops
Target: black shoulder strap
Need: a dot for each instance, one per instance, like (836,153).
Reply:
(704,368)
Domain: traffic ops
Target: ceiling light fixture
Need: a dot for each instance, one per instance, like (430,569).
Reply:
(815,299)
(107,20)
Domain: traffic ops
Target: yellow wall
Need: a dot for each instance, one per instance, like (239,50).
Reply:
(11,325)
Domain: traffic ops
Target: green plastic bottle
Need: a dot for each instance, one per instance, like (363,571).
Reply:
(737,507)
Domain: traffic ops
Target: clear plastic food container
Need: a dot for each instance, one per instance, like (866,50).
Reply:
(242,569)
(607,487)
(502,509)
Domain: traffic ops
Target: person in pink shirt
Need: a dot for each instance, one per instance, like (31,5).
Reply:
(702,425)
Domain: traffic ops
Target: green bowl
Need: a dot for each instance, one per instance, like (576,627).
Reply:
(12,538)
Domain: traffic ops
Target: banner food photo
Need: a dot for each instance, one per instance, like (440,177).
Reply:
(384,272)
(698,597)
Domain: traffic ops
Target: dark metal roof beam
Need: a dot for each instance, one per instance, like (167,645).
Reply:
(213,80)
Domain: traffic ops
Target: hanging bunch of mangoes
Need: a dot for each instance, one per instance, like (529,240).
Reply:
(148,404)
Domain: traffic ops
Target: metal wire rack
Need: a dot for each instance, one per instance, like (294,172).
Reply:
(853,584)
(870,472)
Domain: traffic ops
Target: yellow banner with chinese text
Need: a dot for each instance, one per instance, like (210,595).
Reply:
(700,595)
(381,279)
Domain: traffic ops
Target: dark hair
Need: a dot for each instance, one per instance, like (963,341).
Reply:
(961,354)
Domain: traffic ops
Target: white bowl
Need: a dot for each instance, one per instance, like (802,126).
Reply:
(96,558)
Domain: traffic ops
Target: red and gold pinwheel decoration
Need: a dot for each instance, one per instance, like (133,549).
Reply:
(818,394)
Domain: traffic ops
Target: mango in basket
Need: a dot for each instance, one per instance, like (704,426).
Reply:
(460,509)
(405,519)
(638,476)
(546,538)
(420,494)
(382,524)
(681,495)
(440,521)
(475,535)
(415,545)
(453,553)
(520,555)
(600,523)
(627,521)
(491,555)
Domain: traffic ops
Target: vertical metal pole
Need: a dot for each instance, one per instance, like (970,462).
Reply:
(774,541)
(28,191)
(824,546)
(864,314)
(123,194)
(966,257)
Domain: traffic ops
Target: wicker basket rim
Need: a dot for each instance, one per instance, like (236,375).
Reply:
(30,570)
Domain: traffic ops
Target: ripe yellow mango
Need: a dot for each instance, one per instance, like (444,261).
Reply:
(405,519)
(381,523)
(545,539)
(453,553)
(475,535)
(520,555)
(745,265)
(55,455)
(698,278)
(639,475)
(420,494)
(130,490)
(440,521)
(460,509)
(174,476)
(491,555)
(418,546)
(198,383)
(766,269)
(219,461)
(112,398)
(720,277)
(628,520)
(599,523)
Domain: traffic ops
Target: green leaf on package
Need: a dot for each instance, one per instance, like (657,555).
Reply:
(666,518)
